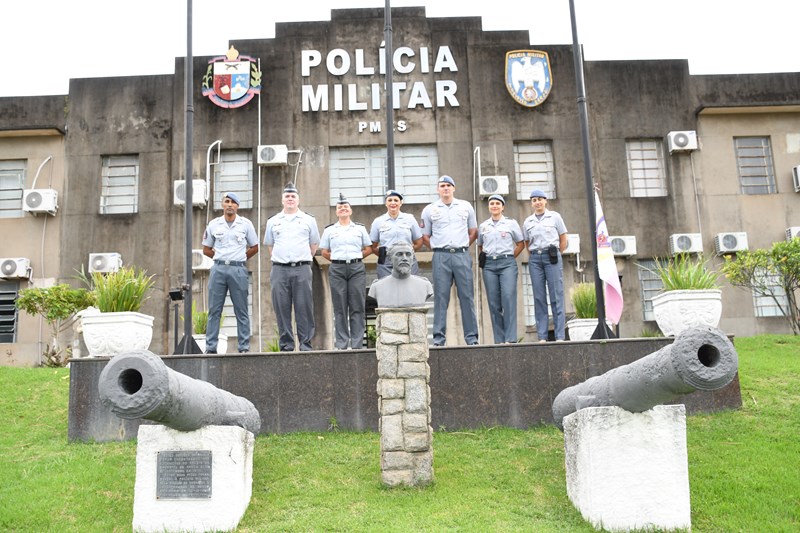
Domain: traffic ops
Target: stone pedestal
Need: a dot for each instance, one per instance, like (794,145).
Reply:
(192,480)
(404,397)
(628,470)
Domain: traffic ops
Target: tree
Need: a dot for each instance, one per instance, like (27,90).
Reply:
(55,304)
(774,273)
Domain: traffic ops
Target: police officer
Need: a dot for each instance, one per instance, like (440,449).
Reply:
(230,240)
(499,243)
(292,238)
(546,237)
(391,227)
(345,244)
(449,228)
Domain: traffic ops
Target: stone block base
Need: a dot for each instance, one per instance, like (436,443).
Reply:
(231,479)
(628,470)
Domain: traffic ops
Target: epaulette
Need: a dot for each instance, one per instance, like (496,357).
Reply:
(329,225)
(357,223)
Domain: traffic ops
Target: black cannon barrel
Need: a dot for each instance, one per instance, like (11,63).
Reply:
(700,358)
(138,384)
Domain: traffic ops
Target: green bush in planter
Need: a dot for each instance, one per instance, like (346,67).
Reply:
(683,273)
(584,300)
(123,290)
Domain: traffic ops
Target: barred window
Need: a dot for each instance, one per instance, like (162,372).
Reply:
(361,174)
(234,173)
(12,182)
(9,290)
(119,190)
(754,162)
(771,300)
(534,168)
(650,284)
(646,175)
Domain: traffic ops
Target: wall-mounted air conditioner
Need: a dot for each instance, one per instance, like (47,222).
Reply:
(490,185)
(682,141)
(15,268)
(792,232)
(272,154)
(199,193)
(728,243)
(685,243)
(573,244)
(796,178)
(200,261)
(37,201)
(623,245)
(105,262)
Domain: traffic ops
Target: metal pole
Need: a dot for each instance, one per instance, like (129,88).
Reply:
(387,30)
(188,206)
(602,329)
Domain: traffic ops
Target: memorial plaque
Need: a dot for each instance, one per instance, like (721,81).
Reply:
(183,475)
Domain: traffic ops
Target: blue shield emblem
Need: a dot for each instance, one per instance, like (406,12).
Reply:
(528,76)
(232,80)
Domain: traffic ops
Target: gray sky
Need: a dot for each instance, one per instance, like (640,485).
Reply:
(44,43)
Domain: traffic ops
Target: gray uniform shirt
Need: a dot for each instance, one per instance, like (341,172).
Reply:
(291,236)
(345,242)
(448,225)
(541,233)
(230,242)
(499,237)
(387,230)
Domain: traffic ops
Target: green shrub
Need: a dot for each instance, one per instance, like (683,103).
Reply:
(684,273)
(584,300)
(123,290)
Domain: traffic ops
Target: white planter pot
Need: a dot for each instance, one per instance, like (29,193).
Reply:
(676,311)
(581,329)
(109,334)
(222,342)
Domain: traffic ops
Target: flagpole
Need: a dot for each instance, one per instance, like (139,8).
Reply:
(387,17)
(602,331)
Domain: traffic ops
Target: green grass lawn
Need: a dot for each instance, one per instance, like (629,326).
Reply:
(744,468)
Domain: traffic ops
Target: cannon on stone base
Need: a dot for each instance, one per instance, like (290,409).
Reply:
(139,385)
(700,359)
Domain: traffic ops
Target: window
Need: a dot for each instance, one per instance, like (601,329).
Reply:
(361,174)
(12,181)
(8,310)
(119,191)
(771,300)
(533,165)
(651,285)
(234,173)
(754,161)
(646,175)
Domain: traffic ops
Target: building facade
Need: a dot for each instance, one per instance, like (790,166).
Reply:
(117,147)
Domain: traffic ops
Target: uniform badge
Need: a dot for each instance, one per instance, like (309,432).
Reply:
(232,80)
(528,76)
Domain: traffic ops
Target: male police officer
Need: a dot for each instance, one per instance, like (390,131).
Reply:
(292,238)
(449,227)
(230,240)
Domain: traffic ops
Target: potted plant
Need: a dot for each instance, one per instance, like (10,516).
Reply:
(199,327)
(116,325)
(56,305)
(584,301)
(691,295)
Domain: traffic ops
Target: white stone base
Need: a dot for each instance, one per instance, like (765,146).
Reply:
(231,479)
(628,470)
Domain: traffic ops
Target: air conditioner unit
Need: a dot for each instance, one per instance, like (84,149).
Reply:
(105,262)
(15,268)
(272,154)
(796,178)
(682,141)
(624,245)
(573,244)
(200,261)
(727,243)
(792,232)
(490,185)
(685,243)
(199,194)
(40,201)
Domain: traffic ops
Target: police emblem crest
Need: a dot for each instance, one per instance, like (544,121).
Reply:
(232,80)
(528,76)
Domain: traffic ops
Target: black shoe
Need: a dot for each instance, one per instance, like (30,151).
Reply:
(473,343)
(245,351)
(211,352)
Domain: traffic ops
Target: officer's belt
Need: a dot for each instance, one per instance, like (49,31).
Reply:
(229,263)
(451,250)
(345,261)
(296,263)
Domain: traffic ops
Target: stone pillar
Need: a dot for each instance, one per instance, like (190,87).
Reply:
(404,397)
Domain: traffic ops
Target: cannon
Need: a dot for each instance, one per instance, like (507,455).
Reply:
(700,358)
(138,384)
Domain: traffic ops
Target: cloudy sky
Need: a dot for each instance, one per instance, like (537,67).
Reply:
(44,43)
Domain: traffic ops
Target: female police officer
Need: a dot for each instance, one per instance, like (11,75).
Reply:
(391,227)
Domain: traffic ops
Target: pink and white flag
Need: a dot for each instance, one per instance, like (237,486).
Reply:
(607,267)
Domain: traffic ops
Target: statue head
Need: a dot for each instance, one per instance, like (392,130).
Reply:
(401,254)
